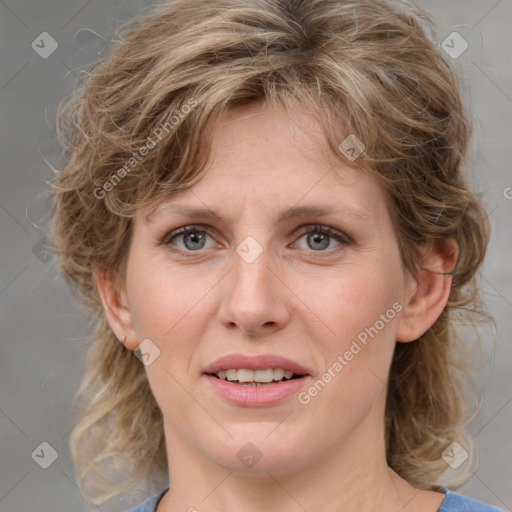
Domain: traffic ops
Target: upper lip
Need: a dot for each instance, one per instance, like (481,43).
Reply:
(255,362)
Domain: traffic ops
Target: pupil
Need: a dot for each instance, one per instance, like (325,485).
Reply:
(319,238)
(196,239)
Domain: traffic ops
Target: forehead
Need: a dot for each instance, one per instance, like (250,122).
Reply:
(255,132)
(283,163)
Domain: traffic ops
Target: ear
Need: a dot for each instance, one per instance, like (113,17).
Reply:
(116,308)
(429,292)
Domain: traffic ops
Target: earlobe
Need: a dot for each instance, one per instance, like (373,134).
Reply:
(429,291)
(116,310)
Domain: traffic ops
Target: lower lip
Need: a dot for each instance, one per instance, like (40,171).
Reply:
(257,396)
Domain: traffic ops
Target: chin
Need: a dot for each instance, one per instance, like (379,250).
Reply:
(258,450)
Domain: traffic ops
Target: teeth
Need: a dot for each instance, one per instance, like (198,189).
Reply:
(246,376)
(262,375)
(279,374)
(231,374)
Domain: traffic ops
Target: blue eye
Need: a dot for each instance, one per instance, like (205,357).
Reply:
(193,239)
(319,238)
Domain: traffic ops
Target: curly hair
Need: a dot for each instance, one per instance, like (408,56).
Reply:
(139,130)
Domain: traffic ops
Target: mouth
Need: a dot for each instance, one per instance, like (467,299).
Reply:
(251,380)
(256,378)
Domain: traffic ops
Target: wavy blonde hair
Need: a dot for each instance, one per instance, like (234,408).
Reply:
(362,67)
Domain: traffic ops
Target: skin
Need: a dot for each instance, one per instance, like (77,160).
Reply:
(299,299)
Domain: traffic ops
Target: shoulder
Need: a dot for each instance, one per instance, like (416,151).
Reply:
(454,502)
(149,505)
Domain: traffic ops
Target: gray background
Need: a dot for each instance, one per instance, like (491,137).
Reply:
(43,335)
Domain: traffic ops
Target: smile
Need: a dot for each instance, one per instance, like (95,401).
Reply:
(256,380)
(248,377)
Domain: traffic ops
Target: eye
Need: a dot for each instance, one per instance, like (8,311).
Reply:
(194,239)
(319,238)
(187,239)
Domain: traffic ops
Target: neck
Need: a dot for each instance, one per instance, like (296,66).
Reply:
(353,477)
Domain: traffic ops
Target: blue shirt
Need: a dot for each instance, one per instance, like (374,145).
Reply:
(452,502)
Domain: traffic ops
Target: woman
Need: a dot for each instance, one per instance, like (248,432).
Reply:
(265,212)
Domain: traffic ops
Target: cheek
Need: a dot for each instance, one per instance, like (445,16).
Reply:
(356,301)
(170,309)
(160,296)
(360,310)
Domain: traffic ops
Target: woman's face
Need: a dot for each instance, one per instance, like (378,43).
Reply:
(269,278)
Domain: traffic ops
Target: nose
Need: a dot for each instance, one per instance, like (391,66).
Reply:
(254,298)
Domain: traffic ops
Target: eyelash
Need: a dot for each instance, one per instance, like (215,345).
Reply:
(343,239)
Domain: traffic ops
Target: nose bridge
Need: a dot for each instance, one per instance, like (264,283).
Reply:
(253,297)
(251,265)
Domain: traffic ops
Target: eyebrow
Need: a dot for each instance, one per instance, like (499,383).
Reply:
(290,213)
